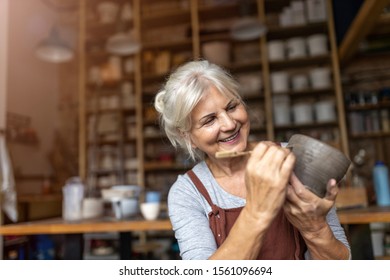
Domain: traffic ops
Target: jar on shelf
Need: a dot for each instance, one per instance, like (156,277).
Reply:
(107,160)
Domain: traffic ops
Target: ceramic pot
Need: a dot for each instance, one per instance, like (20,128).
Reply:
(276,50)
(317,163)
(280,82)
(317,44)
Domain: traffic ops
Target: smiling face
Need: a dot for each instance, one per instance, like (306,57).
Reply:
(219,123)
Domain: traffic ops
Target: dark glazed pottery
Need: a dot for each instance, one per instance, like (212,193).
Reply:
(317,163)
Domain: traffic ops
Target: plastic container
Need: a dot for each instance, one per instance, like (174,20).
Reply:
(73,195)
(381,184)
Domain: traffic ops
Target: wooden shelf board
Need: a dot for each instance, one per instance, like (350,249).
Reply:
(298,30)
(300,62)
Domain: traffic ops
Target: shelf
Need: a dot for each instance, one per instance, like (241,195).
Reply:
(167,26)
(112,85)
(216,12)
(112,110)
(313,125)
(367,107)
(308,29)
(163,166)
(367,135)
(312,93)
(97,33)
(181,44)
(165,18)
(300,62)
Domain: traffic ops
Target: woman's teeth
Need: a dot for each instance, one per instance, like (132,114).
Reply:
(230,138)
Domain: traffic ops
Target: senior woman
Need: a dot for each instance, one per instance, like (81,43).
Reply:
(250,207)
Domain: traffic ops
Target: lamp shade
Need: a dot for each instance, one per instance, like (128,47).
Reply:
(123,43)
(54,49)
(247,28)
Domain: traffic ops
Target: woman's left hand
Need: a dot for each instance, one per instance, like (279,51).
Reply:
(305,210)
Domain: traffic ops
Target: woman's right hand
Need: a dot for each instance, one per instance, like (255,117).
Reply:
(267,174)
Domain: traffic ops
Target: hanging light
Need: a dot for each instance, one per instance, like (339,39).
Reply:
(54,49)
(247,27)
(123,43)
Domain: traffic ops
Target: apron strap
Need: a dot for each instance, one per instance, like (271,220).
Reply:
(199,185)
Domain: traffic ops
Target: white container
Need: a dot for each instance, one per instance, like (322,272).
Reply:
(280,82)
(325,111)
(320,78)
(317,44)
(285,17)
(150,210)
(296,47)
(316,10)
(217,52)
(302,113)
(281,110)
(298,12)
(129,207)
(92,207)
(73,195)
(276,50)
(300,82)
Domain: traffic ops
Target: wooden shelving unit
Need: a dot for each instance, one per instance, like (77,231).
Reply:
(172,32)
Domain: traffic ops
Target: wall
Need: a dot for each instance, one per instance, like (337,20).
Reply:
(3,59)
(34,86)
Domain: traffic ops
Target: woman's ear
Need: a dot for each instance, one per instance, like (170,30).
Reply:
(187,137)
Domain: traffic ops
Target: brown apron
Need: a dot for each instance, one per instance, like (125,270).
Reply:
(282,240)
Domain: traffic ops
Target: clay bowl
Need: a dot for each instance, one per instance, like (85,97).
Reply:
(317,163)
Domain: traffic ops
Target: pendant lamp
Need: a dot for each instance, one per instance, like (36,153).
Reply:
(247,27)
(53,49)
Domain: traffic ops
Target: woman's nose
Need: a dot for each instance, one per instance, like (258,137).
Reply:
(227,122)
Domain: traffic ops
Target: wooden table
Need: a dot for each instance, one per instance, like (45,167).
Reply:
(73,231)
(372,214)
(356,224)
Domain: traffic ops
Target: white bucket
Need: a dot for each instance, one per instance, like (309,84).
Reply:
(279,82)
(320,78)
(73,195)
(317,44)
(300,82)
(325,111)
(276,50)
(92,208)
(303,113)
(281,110)
(296,48)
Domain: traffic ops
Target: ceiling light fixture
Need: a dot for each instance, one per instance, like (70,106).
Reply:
(123,43)
(247,27)
(54,49)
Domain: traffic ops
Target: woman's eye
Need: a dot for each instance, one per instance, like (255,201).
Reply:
(209,121)
(232,107)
